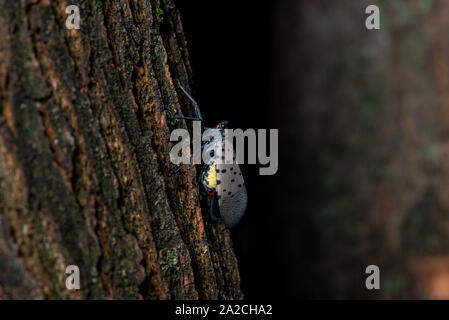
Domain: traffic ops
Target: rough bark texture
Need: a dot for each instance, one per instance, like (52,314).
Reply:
(84,157)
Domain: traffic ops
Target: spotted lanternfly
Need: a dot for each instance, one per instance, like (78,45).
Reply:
(223,181)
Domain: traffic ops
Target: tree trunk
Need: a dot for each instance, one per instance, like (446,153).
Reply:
(84,157)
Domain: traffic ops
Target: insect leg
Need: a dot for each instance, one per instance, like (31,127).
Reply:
(195,104)
(214,211)
(199,180)
(177,169)
(187,118)
(198,187)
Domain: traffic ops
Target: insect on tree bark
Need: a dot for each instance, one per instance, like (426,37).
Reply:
(85,121)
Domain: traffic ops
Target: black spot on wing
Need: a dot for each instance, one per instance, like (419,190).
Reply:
(233,206)
(232,192)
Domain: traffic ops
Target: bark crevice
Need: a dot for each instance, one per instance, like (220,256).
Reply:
(85,138)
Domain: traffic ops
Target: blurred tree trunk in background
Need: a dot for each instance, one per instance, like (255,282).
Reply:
(372,109)
(84,157)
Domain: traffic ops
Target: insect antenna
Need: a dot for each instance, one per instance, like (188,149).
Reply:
(195,105)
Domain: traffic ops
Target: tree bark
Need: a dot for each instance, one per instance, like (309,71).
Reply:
(84,157)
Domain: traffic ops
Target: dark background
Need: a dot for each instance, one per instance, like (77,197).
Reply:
(231,54)
(363,119)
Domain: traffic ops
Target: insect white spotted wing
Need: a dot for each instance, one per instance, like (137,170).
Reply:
(231,192)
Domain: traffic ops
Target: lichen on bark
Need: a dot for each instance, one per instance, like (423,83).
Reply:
(84,158)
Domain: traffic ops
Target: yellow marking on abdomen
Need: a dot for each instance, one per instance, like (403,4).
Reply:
(211,179)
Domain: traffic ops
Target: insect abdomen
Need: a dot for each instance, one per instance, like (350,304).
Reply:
(210,177)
